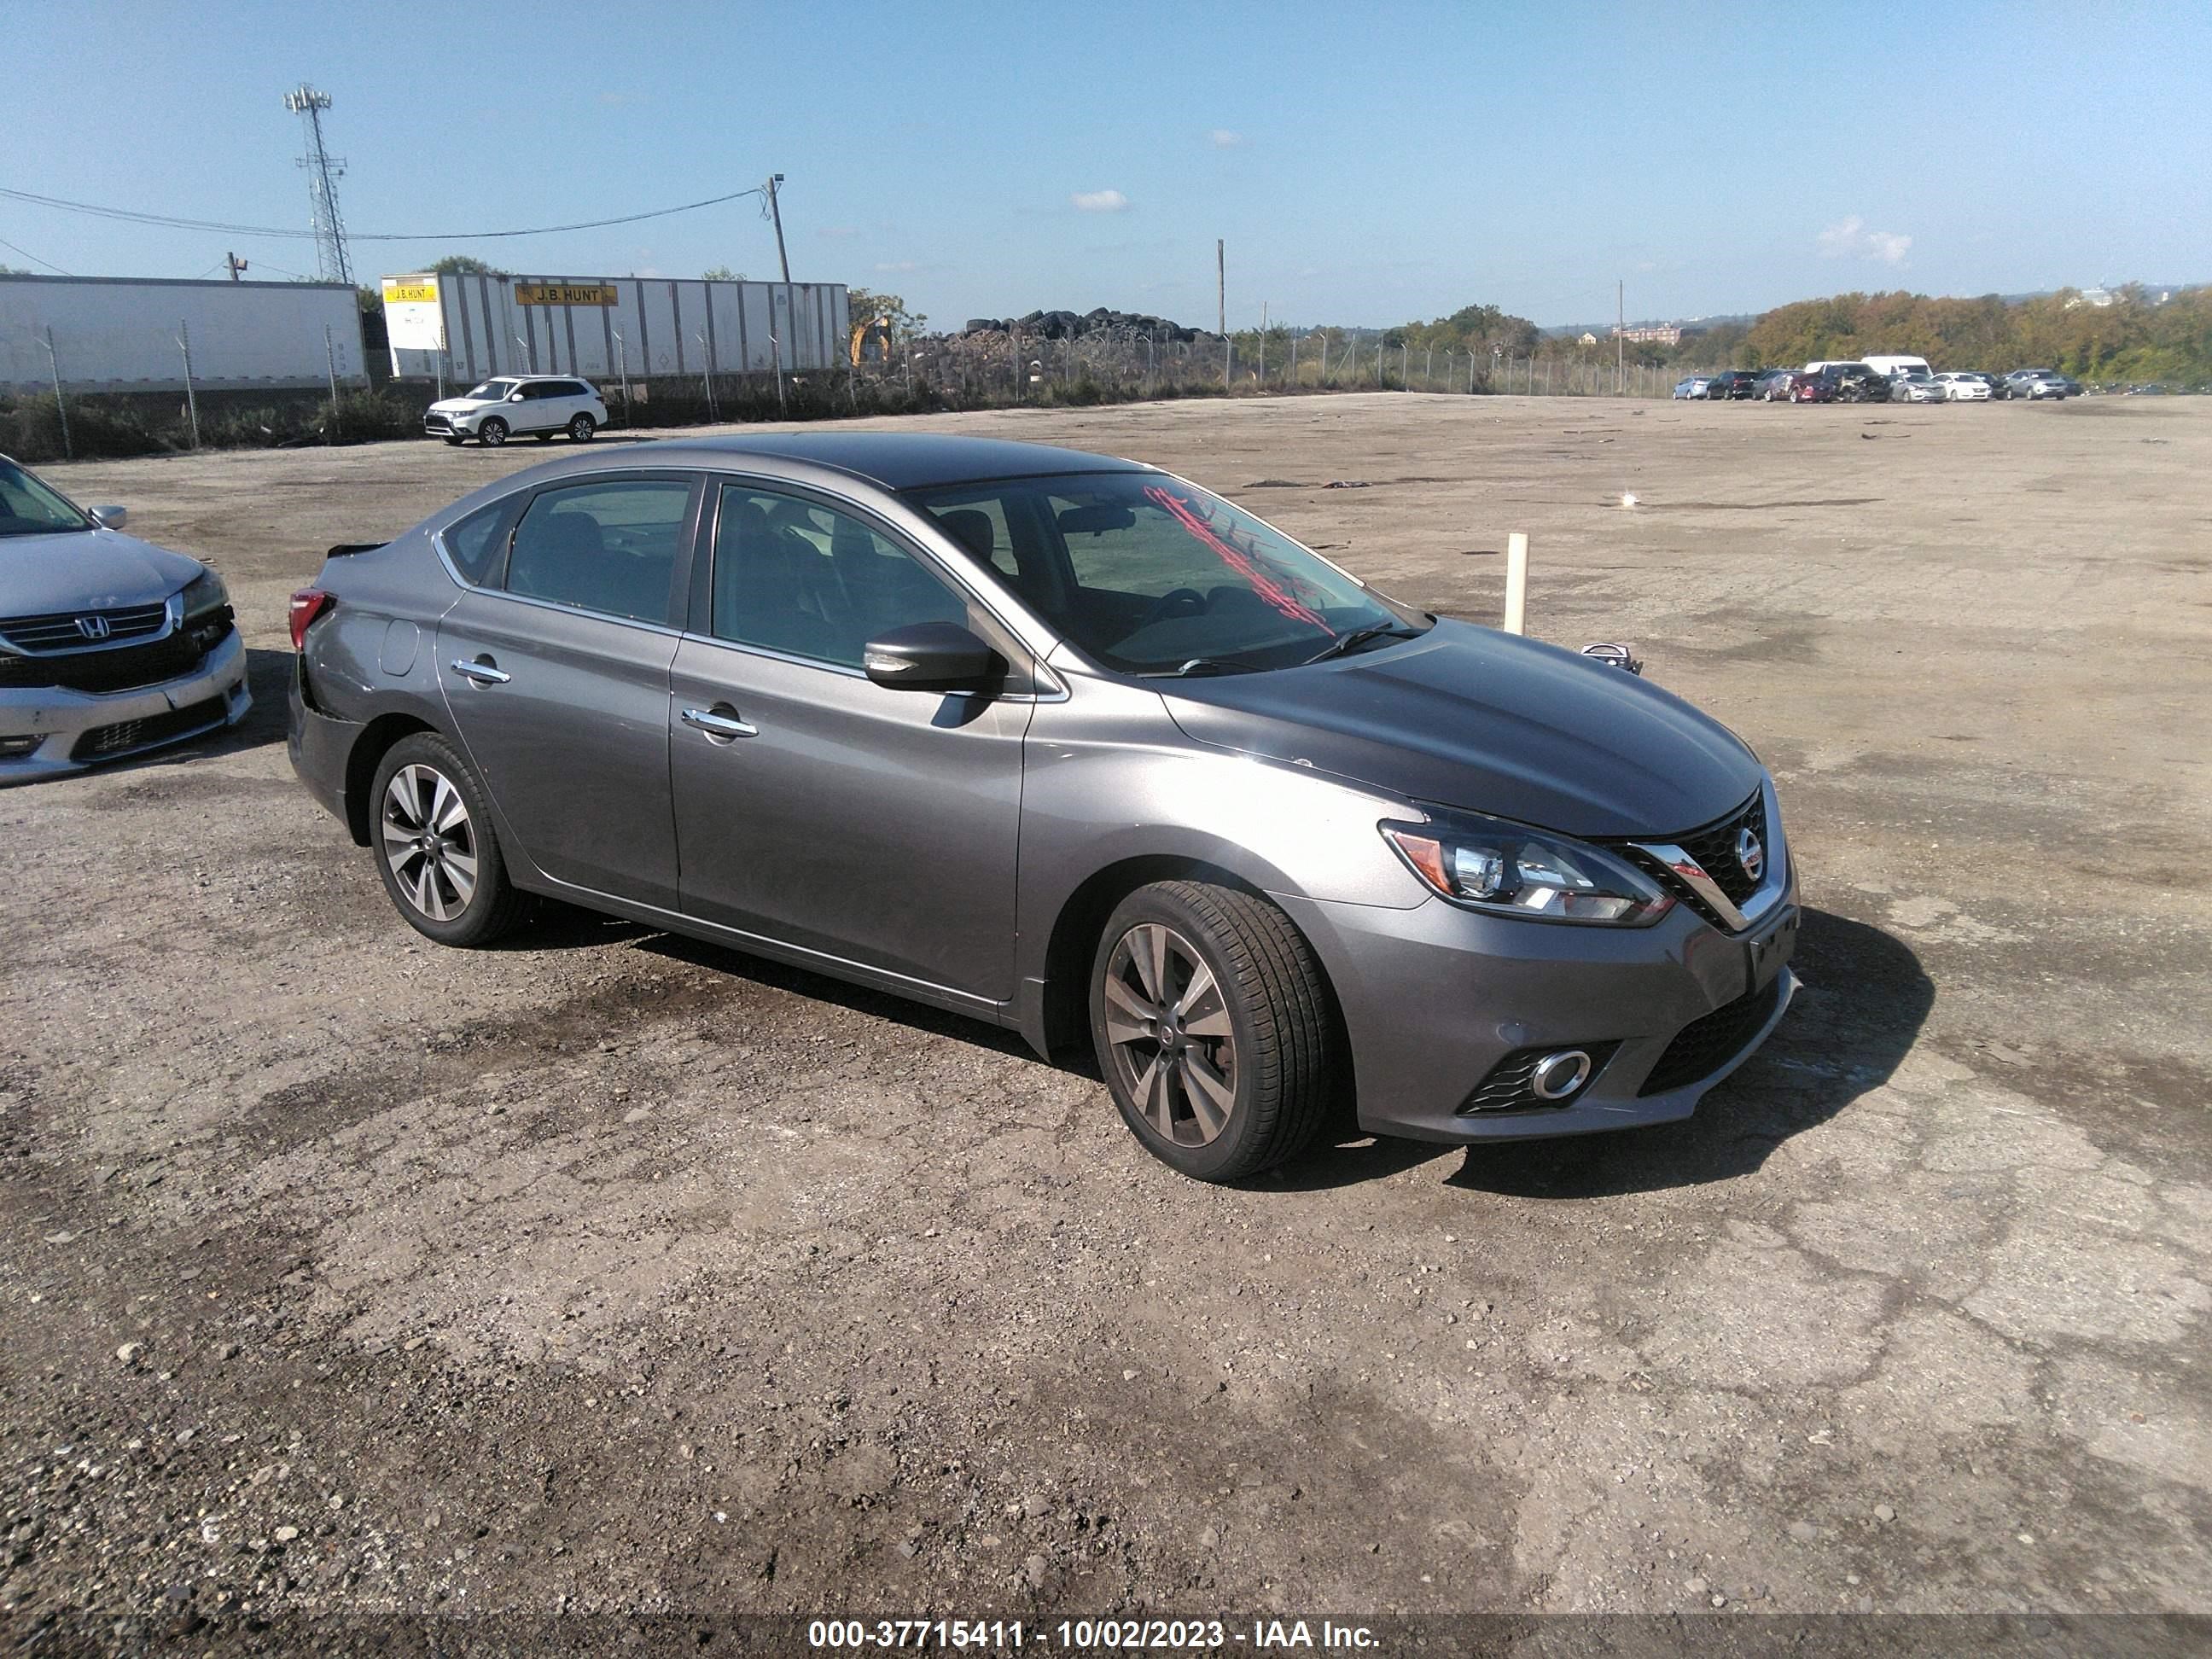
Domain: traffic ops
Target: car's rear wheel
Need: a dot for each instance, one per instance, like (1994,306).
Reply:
(543,437)
(435,848)
(582,427)
(1213,1028)
(493,432)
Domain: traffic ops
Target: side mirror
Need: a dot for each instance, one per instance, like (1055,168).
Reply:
(110,518)
(514,397)
(932,656)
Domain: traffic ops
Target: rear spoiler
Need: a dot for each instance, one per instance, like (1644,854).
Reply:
(344,548)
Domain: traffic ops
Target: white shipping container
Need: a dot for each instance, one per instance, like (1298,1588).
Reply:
(605,327)
(124,334)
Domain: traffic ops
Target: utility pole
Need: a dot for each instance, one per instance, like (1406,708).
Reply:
(237,266)
(1620,338)
(1221,285)
(775,212)
(324,171)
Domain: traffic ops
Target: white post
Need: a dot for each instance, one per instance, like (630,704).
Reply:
(1517,583)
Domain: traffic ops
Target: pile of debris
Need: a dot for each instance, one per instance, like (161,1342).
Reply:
(1071,325)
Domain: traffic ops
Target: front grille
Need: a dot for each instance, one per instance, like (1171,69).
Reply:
(1714,849)
(104,741)
(1506,1088)
(437,423)
(60,632)
(121,668)
(1707,1043)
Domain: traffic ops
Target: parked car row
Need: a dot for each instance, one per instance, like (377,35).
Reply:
(1875,381)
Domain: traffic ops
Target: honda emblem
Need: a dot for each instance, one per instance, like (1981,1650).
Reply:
(94,627)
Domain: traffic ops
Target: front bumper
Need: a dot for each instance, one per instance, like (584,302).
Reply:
(76,730)
(1435,997)
(438,425)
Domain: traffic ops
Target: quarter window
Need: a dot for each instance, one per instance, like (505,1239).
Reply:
(474,544)
(793,575)
(603,547)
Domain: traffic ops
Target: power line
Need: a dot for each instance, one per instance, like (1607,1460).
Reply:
(34,258)
(225,228)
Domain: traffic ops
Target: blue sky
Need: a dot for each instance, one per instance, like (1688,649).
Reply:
(1365,164)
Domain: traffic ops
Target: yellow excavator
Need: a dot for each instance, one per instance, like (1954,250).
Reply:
(877,328)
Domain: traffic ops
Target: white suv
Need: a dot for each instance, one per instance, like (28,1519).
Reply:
(511,404)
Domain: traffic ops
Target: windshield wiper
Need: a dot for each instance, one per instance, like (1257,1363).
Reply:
(1359,636)
(1198,666)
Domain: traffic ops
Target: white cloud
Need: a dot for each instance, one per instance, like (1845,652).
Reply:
(1850,239)
(1222,138)
(1100,201)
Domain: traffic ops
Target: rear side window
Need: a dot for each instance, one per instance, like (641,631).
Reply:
(609,547)
(475,543)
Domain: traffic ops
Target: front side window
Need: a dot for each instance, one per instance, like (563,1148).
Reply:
(609,547)
(1150,576)
(793,575)
(28,507)
(492,391)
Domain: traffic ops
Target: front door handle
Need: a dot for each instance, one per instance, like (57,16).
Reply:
(720,723)
(482,670)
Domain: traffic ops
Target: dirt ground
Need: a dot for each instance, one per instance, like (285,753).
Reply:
(612,1272)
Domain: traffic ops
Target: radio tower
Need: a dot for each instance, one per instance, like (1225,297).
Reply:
(324,172)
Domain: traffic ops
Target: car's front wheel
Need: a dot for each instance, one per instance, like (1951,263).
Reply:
(493,432)
(582,427)
(435,848)
(453,439)
(1213,1028)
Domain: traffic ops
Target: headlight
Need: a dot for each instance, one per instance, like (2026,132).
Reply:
(1486,864)
(205,593)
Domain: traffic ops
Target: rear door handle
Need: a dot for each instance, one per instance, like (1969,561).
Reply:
(481,671)
(721,721)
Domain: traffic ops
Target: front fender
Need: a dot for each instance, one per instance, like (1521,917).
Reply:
(1114,794)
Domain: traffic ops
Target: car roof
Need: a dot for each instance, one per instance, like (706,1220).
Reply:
(904,460)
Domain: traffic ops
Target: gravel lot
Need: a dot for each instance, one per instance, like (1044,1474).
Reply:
(611,1272)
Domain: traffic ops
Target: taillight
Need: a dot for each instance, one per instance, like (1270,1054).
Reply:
(307,603)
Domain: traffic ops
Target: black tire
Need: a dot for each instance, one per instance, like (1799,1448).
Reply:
(1282,1061)
(492,433)
(491,905)
(543,437)
(582,427)
(456,442)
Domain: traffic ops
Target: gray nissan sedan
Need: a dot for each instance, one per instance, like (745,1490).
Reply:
(1069,744)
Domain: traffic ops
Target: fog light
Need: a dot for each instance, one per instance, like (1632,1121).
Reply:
(1559,1075)
(12,748)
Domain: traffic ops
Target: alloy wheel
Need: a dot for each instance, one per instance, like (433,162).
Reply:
(430,841)
(1169,1031)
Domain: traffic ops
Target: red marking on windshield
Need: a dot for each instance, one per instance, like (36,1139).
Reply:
(1266,587)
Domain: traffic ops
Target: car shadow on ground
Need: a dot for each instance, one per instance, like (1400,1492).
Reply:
(1864,1002)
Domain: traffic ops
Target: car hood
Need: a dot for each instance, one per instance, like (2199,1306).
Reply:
(461,405)
(86,570)
(1488,722)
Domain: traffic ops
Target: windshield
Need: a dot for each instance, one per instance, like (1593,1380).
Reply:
(28,507)
(492,390)
(1149,576)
